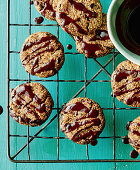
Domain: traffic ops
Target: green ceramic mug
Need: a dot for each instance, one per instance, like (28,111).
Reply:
(111,19)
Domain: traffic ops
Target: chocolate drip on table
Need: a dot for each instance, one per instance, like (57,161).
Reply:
(38,20)
(134,154)
(69,46)
(78,106)
(125,140)
(27,89)
(93,142)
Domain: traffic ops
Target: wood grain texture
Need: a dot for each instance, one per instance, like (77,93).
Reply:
(72,69)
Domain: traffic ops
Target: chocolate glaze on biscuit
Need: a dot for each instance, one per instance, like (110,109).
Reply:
(40,54)
(134,134)
(78,17)
(31,104)
(97,44)
(82,120)
(125,82)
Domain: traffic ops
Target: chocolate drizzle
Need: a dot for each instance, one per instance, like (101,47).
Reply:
(91,133)
(51,49)
(134,131)
(134,142)
(133,98)
(100,35)
(77,125)
(36,54)
(89,49)
(123,74)
(67,20)
(81,7)
(41,40)
(84,120)
(48,6)
(45,67)
(27,90)
(78,106)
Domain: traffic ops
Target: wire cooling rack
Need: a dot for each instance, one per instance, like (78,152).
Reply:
(36,136)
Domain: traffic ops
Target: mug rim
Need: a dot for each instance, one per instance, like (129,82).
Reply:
(114,37)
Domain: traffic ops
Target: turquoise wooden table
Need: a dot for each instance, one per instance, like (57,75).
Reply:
(73,69)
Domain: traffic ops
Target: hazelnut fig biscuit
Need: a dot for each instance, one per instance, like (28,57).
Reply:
(125,82)
(82,120)
(78,17)
(97,44)
(42,54)
(45,8)
(31,104)
(134,134)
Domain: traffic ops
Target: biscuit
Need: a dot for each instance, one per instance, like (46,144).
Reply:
(125,82)
(78,17)
(45,8)
(97,44)
(42,54)
(82,120)
(134,134)
(31,104)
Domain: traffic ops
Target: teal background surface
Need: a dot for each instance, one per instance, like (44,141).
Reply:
(73,69)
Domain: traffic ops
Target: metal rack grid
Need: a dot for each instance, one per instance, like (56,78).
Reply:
(86,83)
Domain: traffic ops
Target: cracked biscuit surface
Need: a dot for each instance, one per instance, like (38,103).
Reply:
(42,54)
(78,17)
(45,8)
(31,104)
(82,120)
(97,44)
(134,134)
(125,82)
